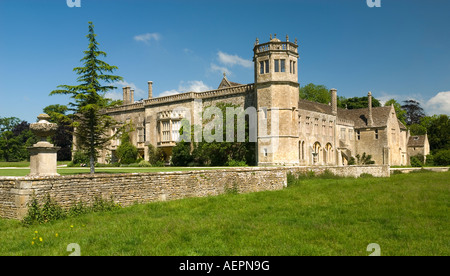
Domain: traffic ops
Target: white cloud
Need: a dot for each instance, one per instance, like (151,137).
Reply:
(215,67)
(168,93)
(189,86)
(147,37)
(194,86)
(439,104)
(231,60)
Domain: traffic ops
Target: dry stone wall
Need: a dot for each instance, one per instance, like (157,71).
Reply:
(130,188)
(127,189)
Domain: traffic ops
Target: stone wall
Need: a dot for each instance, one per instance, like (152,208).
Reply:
(130,188)
(345,171)
(127,189)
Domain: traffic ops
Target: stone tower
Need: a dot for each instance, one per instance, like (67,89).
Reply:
(277,96)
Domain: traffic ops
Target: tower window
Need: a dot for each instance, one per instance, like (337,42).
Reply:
(376,133)
(358,135)
(280,65)
(264,67)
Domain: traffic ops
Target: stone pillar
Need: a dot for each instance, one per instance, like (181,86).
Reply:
(132,96)
(43,158)
(150,89)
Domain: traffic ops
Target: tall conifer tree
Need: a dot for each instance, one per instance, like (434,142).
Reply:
(92,126)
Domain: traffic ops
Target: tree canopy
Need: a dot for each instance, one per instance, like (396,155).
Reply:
(399,111)
(315,93)
(15,138)
(414,112)
(357,102)
(211,152)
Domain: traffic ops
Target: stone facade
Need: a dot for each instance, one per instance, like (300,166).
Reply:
(290,131)
(127,189)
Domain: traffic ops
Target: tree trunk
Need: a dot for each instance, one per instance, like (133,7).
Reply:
(92,163)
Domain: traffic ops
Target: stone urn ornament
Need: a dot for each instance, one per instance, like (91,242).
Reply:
(43,129)
(43,153)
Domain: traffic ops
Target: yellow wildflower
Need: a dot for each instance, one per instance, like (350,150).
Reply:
(32,243)
(56,235)
(40,239)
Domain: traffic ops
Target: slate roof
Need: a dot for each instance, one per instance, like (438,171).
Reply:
(416,141)
(380,116)
(313,106)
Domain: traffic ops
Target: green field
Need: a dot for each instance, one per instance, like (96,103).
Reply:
(406,214)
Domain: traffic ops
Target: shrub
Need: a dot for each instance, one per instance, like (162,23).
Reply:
(52,211)
(156,156)
(48,212)
(352,161)
(415,161)
(144,163)
(235,163)
(181,154)
(430,160)
(442,158)
(79,157)
(364,159)
(126,152)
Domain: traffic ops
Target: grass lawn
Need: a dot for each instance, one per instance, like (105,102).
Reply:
(406,214)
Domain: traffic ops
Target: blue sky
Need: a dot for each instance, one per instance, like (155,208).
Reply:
(400,50)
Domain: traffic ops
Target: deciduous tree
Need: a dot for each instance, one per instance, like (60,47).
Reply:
(414,112)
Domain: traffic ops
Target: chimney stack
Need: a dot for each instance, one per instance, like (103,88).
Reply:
(132,96)
(150,89)
(370,119)
(125,95)
(333,101)
(128,96)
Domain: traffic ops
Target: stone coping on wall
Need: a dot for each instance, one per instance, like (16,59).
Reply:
(196,170)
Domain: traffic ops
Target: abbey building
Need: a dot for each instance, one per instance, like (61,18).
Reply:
(289,131)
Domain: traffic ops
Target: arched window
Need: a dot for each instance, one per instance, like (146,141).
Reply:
(316,152)
(301,150)
(328,153)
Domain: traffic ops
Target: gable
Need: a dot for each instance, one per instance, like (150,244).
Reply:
(226,83)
